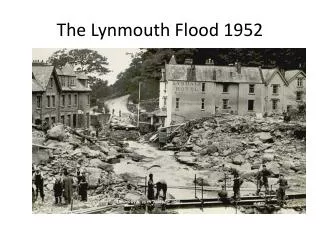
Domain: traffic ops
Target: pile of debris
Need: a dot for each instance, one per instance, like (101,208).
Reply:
(244,143)
(63,147)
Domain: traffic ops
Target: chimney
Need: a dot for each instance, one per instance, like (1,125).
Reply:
(209,62)
(238,67)
(188,61)
(163,74)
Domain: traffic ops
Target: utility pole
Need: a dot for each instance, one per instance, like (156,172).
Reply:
(138,106)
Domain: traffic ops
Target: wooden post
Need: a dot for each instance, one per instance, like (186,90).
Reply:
(138,119)
(202,194)
(145,185)
(195,186)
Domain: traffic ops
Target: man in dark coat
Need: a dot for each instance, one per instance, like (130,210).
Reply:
(161,185)
(237,182)
(281,192)
(38,181)
(150,187)
(83,187)
(57,189)
(67,186)
(263,179)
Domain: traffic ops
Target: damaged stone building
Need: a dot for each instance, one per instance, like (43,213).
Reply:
(60,95)
(190,91)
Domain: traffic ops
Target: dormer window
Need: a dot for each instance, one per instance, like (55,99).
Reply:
(299,82)
(51,82)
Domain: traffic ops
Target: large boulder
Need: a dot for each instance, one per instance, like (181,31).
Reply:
(106,167)
(265,137)
(186,158)
(211,149)
(267,157)
(93,175)
(56,133)
(238,160)
(95,162)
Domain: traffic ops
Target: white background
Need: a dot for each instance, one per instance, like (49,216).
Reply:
(32,24)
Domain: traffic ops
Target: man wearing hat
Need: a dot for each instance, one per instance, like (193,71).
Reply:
(38,181)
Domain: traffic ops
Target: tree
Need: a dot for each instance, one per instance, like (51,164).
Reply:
(84,60)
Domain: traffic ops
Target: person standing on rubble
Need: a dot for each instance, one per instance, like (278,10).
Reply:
(281,191)
(38,181)
(237,182)
(57,189)
(67,186)
(150,187)
(161,185)
(262,179)
(83,187)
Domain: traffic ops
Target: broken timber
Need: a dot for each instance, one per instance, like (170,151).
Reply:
(216,202)
(197,203)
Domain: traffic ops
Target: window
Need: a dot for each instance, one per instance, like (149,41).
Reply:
(51,82)
(62,119)
(251,88)
(299,95)
(69,98)
(231,74)
(164,101)
(225,103)
(275,89)
(48,101)
(47,120)
(39,101)
(202,103)
(177,103)
(72,83)
(203,87)
(53,101)
(214,77)
(250,105)
(274,104)
(88,99)
(53,120)
(76,100)
(225,88)
(69,120)
(63,83)
(299,83)
(63,100)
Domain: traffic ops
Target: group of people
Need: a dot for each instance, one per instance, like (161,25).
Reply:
(262,181)
(62,187)
(161,185)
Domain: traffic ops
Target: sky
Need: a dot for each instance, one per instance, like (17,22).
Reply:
(117,58)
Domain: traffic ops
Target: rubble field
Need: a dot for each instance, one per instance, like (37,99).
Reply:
(244,143)
(61,148)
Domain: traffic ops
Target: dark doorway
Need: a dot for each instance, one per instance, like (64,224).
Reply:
(74,120)
(250,105)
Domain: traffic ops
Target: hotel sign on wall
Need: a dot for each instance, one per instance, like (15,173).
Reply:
(186,87)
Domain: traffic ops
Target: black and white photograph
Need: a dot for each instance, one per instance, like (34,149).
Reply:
(168,131)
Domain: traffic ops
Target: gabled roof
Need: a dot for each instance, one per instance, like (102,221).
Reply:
(222,73)
(173,60)
(268,75)
(36,87)
(66,70)
(42,75)
(291,74)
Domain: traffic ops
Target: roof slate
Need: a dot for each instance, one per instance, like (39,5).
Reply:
(36,87)
(42,75)
(223,73)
